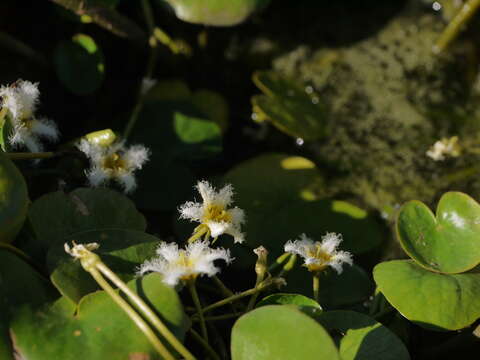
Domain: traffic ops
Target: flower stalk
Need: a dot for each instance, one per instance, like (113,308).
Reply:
(198,306)
(94,265)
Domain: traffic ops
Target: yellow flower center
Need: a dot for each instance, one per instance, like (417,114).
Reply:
(185,262)
(322,257)
(114,162)
(216,213)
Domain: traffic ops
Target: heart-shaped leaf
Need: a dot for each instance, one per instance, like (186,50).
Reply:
(361,337)
(97,328)
(57,215)
(433,300)
(14,200)
(448,243)
(121,250)
(280,332)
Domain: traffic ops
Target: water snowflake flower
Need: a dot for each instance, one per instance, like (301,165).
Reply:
(18,103)
(319,255)
(446,147)
(114,162)
(213,214)
(177,264)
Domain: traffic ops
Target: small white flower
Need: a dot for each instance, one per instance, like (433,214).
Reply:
(20,101)
(213,214)
(147,85)
(444,148)
(319,255)
(114,162)
(177,264)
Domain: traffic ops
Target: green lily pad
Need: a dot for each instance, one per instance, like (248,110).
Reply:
(281,202)
(79,64)
(57,215)
(97,328)
(304,304)
(361,337)
(448,242)
(122,250)
(280,332)
(216,12)
(432,300)
(288,106)
(20,284)
(14,200)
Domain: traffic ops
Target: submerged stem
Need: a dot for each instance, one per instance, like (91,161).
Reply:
(455,26)
(198,338)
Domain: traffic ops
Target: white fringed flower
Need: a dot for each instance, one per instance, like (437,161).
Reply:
(114,162)
(177,264)
(446,147)
(213,214)
(319,255)
(19,102)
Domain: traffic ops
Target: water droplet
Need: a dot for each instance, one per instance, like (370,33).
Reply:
(309,89)
(436,6)
(254,116)
(299,141)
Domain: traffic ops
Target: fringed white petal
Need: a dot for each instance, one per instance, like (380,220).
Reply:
(192,211)
(45,128)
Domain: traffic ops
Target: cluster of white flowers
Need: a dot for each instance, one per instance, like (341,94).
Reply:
(318,255)
(213,214)
(446,147)
(18,103)
(114,162)
(177,264)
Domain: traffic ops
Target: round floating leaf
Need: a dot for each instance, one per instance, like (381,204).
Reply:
(281,203)
(361,337)
(280,332)
(448,243)
(177,130)
(216,12)
(352,286)
(14,200)
(213,105)
(79,64)
(303,303)
(433,300)
(19,284)
(57,215)
(289,107)
(97,328)
(122,250)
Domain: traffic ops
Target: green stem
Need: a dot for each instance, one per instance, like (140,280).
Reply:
(253,299)
(455,26)
(219,317)
(21,48)
(225,290)
(198,338)
(30,156)
(260,287)
(459,175)
(152,59)
(316,286)
(198,305)
(132,314)
(145,309)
